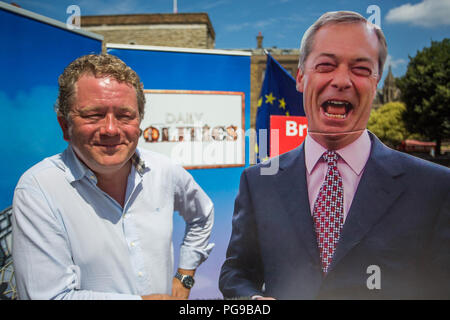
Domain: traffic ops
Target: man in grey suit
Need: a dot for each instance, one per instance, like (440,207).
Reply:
(344,217)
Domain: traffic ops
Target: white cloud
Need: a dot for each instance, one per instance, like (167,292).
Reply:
(212,4)
(200,6)
(428,13)
(261,24)
(89,7)
(394,63)
(237,26)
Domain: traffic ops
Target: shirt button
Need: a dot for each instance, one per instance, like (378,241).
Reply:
(140,274)
(132,244)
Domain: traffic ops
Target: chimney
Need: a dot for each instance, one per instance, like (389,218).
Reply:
(259,40)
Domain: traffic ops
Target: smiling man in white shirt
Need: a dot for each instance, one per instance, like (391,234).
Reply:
(95,222)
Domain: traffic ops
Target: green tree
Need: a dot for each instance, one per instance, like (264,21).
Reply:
(387,123)
(425,89)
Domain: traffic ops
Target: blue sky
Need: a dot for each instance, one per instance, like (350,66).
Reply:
(409,25)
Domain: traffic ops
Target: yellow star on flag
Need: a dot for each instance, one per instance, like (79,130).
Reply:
(259,102)
(270,98)
(287,113)
(282,103)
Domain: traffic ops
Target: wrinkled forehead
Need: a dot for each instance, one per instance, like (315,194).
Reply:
(366,29)
(349,38)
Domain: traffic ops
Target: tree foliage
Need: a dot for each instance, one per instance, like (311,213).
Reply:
(425,89)
(387,123)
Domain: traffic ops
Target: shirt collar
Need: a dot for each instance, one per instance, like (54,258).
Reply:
(76,170)
(138,162)
(355,154)
(313,152)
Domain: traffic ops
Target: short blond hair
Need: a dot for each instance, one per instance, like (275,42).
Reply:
(98,65)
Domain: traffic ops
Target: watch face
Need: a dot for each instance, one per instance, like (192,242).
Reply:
(188,282)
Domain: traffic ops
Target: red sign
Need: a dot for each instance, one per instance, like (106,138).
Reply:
(291,133)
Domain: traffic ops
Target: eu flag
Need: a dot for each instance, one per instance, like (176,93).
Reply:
(278,97)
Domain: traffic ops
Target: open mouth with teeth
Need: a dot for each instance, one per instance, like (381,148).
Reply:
(337,109)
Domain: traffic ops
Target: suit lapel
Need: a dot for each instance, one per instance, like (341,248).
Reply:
(291,186)
(378,189)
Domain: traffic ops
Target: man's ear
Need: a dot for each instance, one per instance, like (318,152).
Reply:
(64,124)
(299,80)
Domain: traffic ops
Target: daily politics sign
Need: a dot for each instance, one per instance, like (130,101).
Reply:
(197,129)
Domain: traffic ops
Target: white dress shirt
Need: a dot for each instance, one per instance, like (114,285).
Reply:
(71,240)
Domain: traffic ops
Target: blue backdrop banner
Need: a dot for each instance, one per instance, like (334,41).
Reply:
(35,51)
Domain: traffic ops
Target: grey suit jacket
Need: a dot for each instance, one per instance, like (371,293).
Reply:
(395,243)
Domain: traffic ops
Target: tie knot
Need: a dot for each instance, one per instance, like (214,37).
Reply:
(330,157)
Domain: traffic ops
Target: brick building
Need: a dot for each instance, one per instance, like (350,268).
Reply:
(188,30)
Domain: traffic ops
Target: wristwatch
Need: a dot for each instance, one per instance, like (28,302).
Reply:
(187,281)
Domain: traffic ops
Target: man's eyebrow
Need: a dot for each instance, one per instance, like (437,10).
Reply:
(126,109)
(97,108)
(363,59)
(90,109)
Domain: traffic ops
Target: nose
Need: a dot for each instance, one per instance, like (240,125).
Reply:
(110,126)
(341,78)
